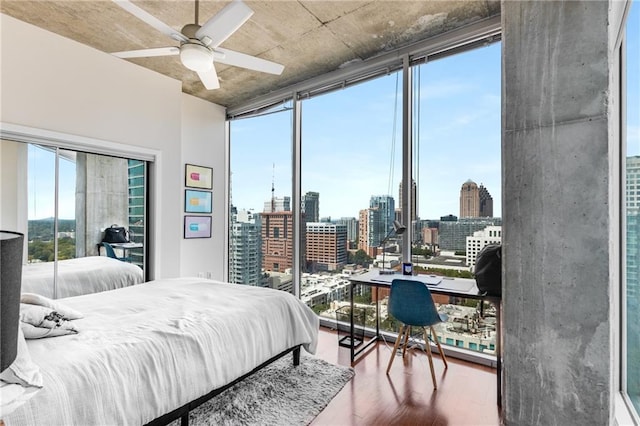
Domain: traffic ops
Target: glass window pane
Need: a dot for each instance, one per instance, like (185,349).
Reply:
(261,228)
(632,356)
(351,168)
(458,181)
(41,202)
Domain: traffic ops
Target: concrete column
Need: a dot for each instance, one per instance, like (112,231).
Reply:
(102,199)
(558,172)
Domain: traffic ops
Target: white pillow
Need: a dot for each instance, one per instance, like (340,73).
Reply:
(22,371)
(36,299)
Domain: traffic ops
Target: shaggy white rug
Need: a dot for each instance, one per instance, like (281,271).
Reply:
(279,394)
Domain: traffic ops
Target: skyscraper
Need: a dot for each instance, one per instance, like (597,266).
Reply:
(363,230)
(486,202)
(245,248)
(311,206)
(277,241)
(326,246)
(352,227)
(633,264)
(381,223)
(277,235)
(469,200)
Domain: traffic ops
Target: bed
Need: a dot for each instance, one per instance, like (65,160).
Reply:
(79,276)
(145,353)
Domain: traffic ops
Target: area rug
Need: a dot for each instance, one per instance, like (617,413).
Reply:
(279,394)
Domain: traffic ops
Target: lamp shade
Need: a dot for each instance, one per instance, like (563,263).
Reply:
(398,228)
(11,246)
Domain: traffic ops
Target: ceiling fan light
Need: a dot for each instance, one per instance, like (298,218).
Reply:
(196,57)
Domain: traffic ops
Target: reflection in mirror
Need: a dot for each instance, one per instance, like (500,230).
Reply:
(63,200)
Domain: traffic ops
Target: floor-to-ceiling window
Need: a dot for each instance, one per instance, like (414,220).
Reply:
(457,178)
(261,218)
(351,169)
(350,178)
(631,207)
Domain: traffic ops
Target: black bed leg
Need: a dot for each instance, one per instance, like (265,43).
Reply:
(296,356)
(184,419)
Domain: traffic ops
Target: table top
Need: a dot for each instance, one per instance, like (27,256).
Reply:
(459,287)
(126,245)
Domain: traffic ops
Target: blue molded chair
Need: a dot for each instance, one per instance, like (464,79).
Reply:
(112,253)
(410,302)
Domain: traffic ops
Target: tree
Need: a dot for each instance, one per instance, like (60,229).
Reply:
(425,252)
(362,258)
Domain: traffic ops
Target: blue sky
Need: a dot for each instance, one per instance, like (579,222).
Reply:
(42,184)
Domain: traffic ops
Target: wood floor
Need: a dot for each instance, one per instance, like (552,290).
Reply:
(466,392)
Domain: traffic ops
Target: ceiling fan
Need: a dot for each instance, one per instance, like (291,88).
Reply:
(199,45)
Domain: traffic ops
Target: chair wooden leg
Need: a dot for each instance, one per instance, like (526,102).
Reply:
(435,339)
(427,348)
(407,333)
(395,347)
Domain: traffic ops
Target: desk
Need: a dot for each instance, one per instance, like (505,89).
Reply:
(122,246)
(454,287)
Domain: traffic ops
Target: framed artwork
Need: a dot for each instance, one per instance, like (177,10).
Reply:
(197,201)
(198,177)
(197,226)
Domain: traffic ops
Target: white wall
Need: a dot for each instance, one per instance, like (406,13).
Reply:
(203,144)
(71,89)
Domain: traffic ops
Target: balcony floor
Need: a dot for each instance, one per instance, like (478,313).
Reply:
(466,392)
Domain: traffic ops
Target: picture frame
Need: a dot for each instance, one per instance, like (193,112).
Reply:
(198,176)
(196,201)
(197,227)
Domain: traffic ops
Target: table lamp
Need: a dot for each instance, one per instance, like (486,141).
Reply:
(398,229)
(11,247)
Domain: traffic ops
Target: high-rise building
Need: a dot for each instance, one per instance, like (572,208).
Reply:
(469,200)
(381,223)
(633,264)
(326,246)
(479,239)
(633,230)
(475,201)
(352,227)
(363,230)
(486,202)
(414,198)
(245,248)
(277,241)
(453,235)
(311,206)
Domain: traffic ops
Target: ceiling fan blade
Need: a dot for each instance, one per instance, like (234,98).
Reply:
(210,79)
(219,27)
(151,20)
(242,60)
(147,53)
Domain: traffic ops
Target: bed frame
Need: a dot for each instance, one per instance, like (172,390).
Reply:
(182,413)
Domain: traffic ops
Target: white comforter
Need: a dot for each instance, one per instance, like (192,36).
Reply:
(79,276)
(145,350)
